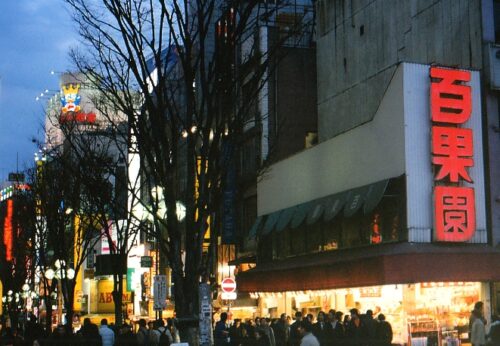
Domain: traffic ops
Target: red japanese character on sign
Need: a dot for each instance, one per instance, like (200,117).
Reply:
(455,213)
(453,150)
(450,100)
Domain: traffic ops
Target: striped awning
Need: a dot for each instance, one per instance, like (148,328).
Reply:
(364,198)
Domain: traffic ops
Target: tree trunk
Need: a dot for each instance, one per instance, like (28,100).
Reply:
(117,298)
(48,313)
(187,308)
(69,298)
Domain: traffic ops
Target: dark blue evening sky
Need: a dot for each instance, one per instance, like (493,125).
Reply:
(35,37)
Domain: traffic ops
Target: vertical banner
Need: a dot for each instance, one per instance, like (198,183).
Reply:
(8,231)
(229,202)
(160,292)
(205,315)
(452,154)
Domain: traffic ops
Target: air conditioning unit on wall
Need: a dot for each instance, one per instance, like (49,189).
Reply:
(494,62)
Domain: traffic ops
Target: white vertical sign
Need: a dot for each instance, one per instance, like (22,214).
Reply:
(160,292)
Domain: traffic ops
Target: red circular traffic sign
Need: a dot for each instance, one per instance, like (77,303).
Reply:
(228,285)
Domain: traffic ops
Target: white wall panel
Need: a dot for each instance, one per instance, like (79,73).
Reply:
(418,168)
(368,153)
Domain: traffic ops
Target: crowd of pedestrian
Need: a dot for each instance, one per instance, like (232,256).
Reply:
(324,329)
(153,333)
(334,328)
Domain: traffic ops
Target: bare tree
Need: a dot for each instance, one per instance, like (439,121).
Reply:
(197,69)
(75,201)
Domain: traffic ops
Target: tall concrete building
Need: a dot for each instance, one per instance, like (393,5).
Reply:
(396,208)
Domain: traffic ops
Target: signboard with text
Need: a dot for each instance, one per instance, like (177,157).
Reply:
(452,153)
(146,261)
(160,292)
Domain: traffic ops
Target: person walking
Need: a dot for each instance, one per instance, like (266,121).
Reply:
(107,335)
(356,330)
(261,339)
(89,334)
(265,325)
(125,336)
(143,337)
(295,336)
(478,330)
(281,331)
(221,332)
(308,338)
(384,331)
(321,329)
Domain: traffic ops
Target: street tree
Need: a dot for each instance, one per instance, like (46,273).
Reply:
(73,186)
(198,68)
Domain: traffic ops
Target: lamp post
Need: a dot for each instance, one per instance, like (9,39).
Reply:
(59,274)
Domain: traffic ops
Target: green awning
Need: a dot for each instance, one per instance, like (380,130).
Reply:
(375,193)
(326,208)
(271,221)
(252,233)
(333,205)
(300,214)
(316,210)
(285,217)
(355,199)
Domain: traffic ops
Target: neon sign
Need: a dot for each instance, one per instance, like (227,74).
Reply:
(452,154)
(7,231)
(80,117)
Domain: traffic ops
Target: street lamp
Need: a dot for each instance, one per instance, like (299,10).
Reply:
(59,273)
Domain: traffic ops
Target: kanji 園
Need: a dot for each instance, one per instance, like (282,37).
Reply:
(455,213)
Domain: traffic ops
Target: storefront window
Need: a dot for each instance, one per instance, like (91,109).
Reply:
(434,313)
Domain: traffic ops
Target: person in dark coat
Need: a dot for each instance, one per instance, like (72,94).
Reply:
(90,334)
(295,336)
(321,329)
(59,336)
(126,337)
(235,332)
(281,331)
(261,338)
(356,331)
(221,332)
(371,326)
(336,327)
(384,331)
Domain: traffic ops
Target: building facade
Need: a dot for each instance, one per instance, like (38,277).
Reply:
(374,216)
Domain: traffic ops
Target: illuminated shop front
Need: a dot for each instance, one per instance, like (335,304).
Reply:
(437,310)
(390,214)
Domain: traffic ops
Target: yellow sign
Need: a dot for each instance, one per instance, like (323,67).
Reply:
(105,303)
